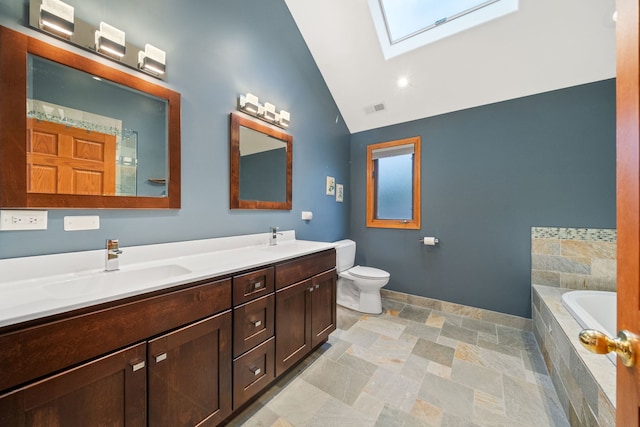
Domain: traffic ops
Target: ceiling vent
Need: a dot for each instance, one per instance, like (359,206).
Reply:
(375,108)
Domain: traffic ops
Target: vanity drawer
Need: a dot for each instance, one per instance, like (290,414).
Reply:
(253,371)
(288,273)
(253,323)
(249,286)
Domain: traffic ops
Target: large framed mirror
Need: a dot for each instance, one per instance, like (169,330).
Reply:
(76,133)
(260,160)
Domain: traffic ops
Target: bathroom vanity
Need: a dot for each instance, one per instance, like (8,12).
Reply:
(188,352)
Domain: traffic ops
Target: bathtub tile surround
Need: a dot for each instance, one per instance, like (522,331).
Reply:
(574,258)
(416,365)
(585,382)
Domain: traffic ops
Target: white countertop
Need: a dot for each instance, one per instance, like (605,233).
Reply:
(39,286)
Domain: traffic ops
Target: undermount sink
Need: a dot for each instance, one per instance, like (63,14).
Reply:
(106,281)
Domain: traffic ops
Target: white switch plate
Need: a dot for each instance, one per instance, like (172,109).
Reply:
(307,216)
(23,220)
(75,223)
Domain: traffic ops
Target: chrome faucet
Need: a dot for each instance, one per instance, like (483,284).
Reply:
(273,236)
(113,250)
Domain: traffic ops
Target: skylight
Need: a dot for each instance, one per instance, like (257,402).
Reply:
(405,25)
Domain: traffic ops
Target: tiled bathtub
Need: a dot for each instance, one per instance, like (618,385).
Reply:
(585,382)
(563,259)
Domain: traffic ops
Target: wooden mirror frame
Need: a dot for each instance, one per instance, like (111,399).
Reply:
(14,48)
(235,202)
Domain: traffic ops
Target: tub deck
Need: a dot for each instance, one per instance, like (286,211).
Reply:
(585,382)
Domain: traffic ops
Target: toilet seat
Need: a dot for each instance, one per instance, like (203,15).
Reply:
(368,273)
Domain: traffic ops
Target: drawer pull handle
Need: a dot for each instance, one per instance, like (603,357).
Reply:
(256,371)
(257,285)
(161,357)
(257,323)
(137,366)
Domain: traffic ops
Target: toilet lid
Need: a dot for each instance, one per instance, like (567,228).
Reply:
(368,272)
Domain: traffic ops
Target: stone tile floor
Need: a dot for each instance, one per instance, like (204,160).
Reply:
(414,366)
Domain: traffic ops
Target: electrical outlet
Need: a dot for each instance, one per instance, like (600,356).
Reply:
(23,220)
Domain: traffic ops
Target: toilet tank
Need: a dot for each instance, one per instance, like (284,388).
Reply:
(345,254)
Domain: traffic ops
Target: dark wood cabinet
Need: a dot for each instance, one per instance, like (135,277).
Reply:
(323,307)
(109,391)
(253,329)
(117,387)
(189,374)
(305,316)
(186,356)
(293,326)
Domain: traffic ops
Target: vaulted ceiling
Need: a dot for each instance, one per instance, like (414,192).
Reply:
(545,45)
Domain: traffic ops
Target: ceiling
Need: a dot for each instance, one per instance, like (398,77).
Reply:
(545,45)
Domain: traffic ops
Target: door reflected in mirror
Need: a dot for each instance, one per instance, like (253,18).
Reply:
(260,165)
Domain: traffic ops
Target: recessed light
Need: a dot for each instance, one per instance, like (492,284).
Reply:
(403,82)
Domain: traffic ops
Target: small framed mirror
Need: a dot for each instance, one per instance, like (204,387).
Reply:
(261,164)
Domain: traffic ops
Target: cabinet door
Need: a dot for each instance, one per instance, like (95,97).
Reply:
(190,374)
(323,306)
(109,391)
(293,325)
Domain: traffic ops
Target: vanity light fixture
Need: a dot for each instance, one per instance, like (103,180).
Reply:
(57,17)
(250,104)
(284,118)
(152,60)
(110,40)
(270,112)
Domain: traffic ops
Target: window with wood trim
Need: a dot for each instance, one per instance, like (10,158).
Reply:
(393,184)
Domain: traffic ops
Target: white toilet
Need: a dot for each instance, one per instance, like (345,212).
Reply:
(358,287)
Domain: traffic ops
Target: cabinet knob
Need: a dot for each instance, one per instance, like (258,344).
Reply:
(137,366)
(256,371)
(317,286)
(311,289)
(257,285)
(161,357)
(257,323)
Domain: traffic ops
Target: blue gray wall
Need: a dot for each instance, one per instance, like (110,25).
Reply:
(215,51)
(488,175)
